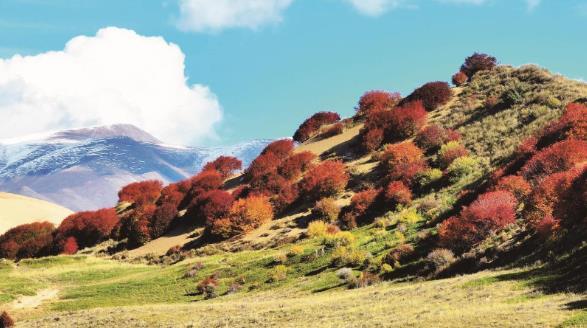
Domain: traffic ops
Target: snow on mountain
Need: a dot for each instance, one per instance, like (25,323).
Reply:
(83,169)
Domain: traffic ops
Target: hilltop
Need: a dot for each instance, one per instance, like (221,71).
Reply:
(18,209)
(459,206)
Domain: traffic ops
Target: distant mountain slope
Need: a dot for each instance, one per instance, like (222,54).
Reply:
(17,209)
(83,169)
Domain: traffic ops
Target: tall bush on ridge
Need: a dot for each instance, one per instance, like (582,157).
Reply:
(432,95)
(225,165)
(280,148)
(459,78)
(478,62)
(139,193)
(377,100)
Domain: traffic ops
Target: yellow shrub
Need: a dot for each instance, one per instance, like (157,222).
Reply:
(295,250)
(317,229)
(279,273)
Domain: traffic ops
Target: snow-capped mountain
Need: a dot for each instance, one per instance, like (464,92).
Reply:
(83,169)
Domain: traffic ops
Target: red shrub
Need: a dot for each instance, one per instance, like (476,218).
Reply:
(362,203)
(138,232)
(211,205)
(434,136)
(572,124)
(280,148)
(377,100)
(332,131)
(225,165)
(313,124)
(491,211)
(262,165)
(450,152)
(326,179)
(459,78)
(403,161)
(171,195)
(5,320)
(515,184)
(478,62)
(144,192)
(161,220)
(398,193)
(205,181)
(457,234)
(27,240)
(69,246)
(89,228)
(371,139)
(547,226)
(293,166)
(559,157)
(244,216)
(432,94)
(406,121)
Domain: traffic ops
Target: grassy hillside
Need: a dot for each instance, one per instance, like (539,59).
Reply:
(288,275)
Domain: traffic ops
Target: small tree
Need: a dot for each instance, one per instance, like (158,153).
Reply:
(139,193)
(432,94)
(324,180)
(280,148)
(225,165)
(377,100)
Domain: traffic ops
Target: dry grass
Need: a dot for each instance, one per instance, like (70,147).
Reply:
(17,209)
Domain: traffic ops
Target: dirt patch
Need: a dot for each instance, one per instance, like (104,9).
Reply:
(31,302)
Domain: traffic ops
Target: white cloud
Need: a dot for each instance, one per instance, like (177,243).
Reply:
(375,7)
(216,15)
(116,76)
(532,4)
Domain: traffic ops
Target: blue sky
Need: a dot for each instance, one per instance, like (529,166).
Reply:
(269,71)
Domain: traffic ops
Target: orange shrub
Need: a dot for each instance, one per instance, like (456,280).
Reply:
(144,192)
(371,139)
(280,148)
(310,126)
(326,179)
(403,162)
(515,184)
(225,165)
(561,156)
(69,247)
(89,228)
(459,78)
(362,204)
(244,216)
(377,100)
(398,193)
(451,151)
(293,166)
(262,165)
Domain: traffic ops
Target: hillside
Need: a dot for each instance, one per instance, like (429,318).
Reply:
(449,207)
(17,209)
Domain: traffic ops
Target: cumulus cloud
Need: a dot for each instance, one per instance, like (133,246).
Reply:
(216,15)
(375,7)
(116,76)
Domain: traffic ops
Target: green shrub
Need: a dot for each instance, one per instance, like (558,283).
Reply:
(279,273)
(462,167)
(341,238)
(428,177)
(349,256)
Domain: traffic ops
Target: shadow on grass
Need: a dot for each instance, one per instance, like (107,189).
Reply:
(327,288)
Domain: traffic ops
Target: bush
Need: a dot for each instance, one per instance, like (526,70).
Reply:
(204,181)
(295,165)
(27,240)
(6,320)
(211,205)
(326,209)
(547,226)
(346,275)
(161,219)
(225,165)
(342,256)
(462,167)
(433,136)
(399,254)
(371,139)
(279,273)
(362,204)
(139,193)
(429,177)
(451,151)
(280,148)
(339,239)
(432,94)
(172,195)
(332,131)
(398,193)
(376,101)
(89,228)
(317,229)
(458,235)
(262,165)
(561,156)
(459,78)
(403,162)
(329,178)
(310,126)
(440,259)
(69,247)
(397,124)
(244,216)
(478,62)
(515,184)
(207,287)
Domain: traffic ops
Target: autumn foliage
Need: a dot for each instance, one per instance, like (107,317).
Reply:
(138,193)
(433,136)
(377,100)
(295,165)
(326,179)
(27,240)
(225,165)
(244,216)
(403,162)
(515,184)
(451,151)
(210,206)
(478,62)
(69,246)
(88,228)
(459,78)
(432,94)
(561,156)
(398,193)
(313,124)
(362,203)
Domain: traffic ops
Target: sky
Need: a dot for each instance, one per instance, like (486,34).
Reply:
(218,72)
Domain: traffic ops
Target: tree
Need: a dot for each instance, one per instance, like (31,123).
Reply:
(225,165)
(280,148)
(89,228)
(324,180)
(313,124)
(459,78)
(377,100)
(139,193)
(295,165)
(27,240)
(478,62)
(432,94)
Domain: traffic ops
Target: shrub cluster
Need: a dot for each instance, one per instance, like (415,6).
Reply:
(313,124)
(478,62)
(403,162)
(432,95)
(362,204)
(432,137)
(88,228)
(451,151)
(376,100)
(329,178)
(139,193)
(27,240)
(225,165)
(244,216)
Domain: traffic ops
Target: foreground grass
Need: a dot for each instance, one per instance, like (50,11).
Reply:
(97,292)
